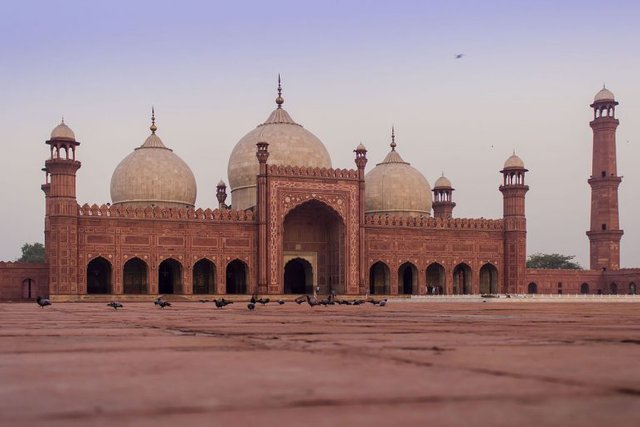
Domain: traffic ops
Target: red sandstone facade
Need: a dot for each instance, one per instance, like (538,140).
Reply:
(309,231)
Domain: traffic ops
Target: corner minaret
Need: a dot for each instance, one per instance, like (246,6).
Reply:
(513,192)
(61,211)
(604,234)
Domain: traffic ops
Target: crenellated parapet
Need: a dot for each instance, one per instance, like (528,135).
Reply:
(314,172)
(435,223)
(188,214)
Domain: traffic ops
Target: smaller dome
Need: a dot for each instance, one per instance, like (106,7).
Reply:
(62,131)
(442,182)
(604,95)
(514,162)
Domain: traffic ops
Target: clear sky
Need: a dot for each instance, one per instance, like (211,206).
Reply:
(350,70)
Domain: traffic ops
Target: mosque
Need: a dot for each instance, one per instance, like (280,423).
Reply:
(295,224)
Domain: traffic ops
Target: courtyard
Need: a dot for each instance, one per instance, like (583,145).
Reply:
(428,361)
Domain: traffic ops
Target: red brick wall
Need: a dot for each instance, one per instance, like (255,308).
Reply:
(14,281)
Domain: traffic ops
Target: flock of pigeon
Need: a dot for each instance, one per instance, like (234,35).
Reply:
(312,300)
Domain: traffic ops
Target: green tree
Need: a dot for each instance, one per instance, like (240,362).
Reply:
(566,262)
(32,252)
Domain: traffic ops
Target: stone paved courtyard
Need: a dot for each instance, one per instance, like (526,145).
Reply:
(494,363)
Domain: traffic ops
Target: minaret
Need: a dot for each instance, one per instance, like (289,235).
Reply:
(515,224)
(442,198)
(61,211)
(361,163)
(604,234)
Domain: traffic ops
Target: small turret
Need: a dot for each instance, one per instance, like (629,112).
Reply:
(443,198)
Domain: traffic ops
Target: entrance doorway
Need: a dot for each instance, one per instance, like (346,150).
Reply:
(236,277)
(407,279)
(488,279)
(169,277)
(135,276)
(462,279)
(99,276)
(379,279)
(298,277)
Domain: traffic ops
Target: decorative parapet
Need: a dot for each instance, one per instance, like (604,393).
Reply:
(20,264)
(314,172)
(428,222)
(188,214)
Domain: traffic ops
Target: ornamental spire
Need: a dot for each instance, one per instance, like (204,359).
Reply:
(393,138)
(153,126)
(279,99)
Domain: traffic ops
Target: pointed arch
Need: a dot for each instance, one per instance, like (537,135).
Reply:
(379,276)
(462,279)
(488,279)
(204,277)
(135,279)
(532,288)
(99,276)
(407,279)
(170,276)
(632,288)
(298,276)
(435,279)
(584,288)
(236,275)
(613,288)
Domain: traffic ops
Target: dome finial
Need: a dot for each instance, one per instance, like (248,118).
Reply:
(279,99)
(153,126)
(62,119)
(393,138)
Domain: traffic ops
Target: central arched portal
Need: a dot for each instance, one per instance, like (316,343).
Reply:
(298,277)
(315,231)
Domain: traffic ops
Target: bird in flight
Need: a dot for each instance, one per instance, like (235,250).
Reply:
(459,55)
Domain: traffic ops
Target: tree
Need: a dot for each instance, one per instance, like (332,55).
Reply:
(32,252)
(560,261)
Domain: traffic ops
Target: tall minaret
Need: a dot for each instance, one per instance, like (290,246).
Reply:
(604,234)
(515,224)
(61,212)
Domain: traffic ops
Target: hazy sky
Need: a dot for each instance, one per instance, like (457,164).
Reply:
(350,70)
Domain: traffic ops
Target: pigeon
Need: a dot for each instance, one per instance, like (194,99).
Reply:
(382,303)
(164,304)
(204,300)
(115,305)
(253,299)
(264,301)
(251,306)
(280,301)
(312,301)
(300,299)
(157,301)
(219,303)
(226,301)
(459,55)
(42,301)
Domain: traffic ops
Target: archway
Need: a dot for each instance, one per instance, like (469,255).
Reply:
(135,276)
(488,279)
(298,277)
(169,277)
(632,288)
(379,279)
(462,279)
(584,288)
(204,277)
(315,229)
(28,286)
(98,276)
(532,288)
(613,288)
(435,279)
(407,279)
(236,277)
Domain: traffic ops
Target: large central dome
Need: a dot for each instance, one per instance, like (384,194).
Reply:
(153,175)
(289,144)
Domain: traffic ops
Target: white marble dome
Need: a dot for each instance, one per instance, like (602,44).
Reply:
(442,182)
(604,95)
(289,144)
(62,131)
(394,187)
(514,162)
(153,175)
